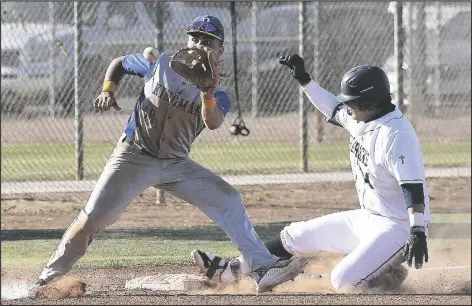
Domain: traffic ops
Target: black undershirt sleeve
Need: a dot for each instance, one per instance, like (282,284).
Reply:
(413,193)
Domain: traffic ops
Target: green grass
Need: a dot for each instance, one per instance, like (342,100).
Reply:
(112,253)
(138,252)
(57,161)
(143,247)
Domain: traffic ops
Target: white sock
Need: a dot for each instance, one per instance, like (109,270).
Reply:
(227,276)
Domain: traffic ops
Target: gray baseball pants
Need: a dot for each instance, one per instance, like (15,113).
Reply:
(126,174)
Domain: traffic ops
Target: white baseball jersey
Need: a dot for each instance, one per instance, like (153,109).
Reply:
(384,154)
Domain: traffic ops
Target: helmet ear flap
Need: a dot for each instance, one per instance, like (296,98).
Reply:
(372,104)
(367,105)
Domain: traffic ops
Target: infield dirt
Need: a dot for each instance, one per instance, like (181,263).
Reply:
(265,204)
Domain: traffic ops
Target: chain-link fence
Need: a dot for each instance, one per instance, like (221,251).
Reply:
(47,46)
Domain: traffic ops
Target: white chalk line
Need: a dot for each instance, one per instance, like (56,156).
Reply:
(14,291)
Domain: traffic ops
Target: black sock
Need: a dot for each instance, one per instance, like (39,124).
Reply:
(275,247)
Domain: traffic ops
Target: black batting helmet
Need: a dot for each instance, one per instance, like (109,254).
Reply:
(365,86)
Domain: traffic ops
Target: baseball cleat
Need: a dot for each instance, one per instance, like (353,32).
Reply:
(398,276)
(33,291)
(215,268)
(281,272)
(390,281)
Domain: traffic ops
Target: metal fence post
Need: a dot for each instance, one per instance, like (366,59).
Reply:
(422,72)
(437,57)
(303,109)
(52,70)
(411,45)
(399,42)
(317,15)
(159,43)
(78,95)
(159,27)
(254,79)
(234,45)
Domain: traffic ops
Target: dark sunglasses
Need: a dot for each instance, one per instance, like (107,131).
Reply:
(203,26)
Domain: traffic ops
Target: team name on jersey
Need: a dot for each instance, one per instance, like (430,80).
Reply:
(176,100)
(359,152)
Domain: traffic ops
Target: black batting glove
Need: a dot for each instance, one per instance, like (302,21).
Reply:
(297,67)
(416,247)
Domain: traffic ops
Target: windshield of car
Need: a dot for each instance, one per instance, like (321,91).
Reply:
(457,27)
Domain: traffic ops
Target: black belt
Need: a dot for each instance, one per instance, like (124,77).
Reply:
(146,152)
(135,148)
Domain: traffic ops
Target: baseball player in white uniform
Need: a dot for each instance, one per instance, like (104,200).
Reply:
(153,151)
(387,165)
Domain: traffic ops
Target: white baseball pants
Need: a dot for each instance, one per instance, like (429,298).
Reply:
(373,244)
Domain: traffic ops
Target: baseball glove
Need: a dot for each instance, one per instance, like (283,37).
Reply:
(197,66)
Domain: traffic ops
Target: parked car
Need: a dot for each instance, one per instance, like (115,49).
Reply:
(26,40)
(454,63)
(348,34)
(22,71)
(110,29)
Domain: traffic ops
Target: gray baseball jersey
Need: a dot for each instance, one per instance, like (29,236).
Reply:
(167,117)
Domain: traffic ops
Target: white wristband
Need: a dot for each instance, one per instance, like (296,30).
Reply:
(416,219)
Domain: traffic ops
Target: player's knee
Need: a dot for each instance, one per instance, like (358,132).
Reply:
(229,200)
(287,241)
(235,195)
(234,205)
(229,192)
(237,206)
(232,196)
(83,224)
(294,237)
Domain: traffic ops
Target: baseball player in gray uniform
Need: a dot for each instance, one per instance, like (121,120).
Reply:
(387,165)
(153,151)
